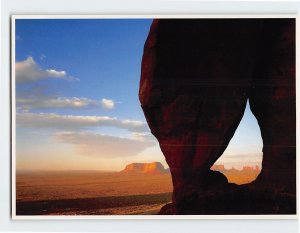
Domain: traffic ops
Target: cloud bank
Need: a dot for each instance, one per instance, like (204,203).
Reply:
(29,71)
(63,102)
(108,104)
(71,122)
(91,144)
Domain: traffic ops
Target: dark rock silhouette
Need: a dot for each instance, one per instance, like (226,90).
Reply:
(145,168)
(197,75)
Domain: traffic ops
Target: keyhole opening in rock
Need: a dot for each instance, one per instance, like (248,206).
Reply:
(241,161)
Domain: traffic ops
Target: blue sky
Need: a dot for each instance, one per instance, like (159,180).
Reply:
(77,94)
(104,54)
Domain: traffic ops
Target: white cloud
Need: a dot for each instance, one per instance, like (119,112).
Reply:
(71,122)
(141,136)
(61,102)
(56,74)
(91,144)
(29,71)
(108,104)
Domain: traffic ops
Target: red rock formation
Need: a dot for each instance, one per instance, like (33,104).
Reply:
(196,78)
(218,167)
(273,102)
(145,168)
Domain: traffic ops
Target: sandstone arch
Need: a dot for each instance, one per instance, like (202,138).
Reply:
(197,75)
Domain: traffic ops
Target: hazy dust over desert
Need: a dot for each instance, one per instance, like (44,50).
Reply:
(103,193)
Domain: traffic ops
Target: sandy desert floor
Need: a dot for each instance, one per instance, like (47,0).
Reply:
(97,193)
(86,193)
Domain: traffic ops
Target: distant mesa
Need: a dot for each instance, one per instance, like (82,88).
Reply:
(158,168)
(145,168)
(221,168)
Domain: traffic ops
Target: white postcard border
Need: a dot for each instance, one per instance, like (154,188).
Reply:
(136,217)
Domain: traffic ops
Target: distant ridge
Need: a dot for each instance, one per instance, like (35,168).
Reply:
(145,168)
(221,168)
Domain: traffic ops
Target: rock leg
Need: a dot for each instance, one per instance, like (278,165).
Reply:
(194,87)
(273,102)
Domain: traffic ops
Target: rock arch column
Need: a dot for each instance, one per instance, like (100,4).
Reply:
(273,102)
(196,77)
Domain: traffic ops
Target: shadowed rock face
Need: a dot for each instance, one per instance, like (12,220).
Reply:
(197,76)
